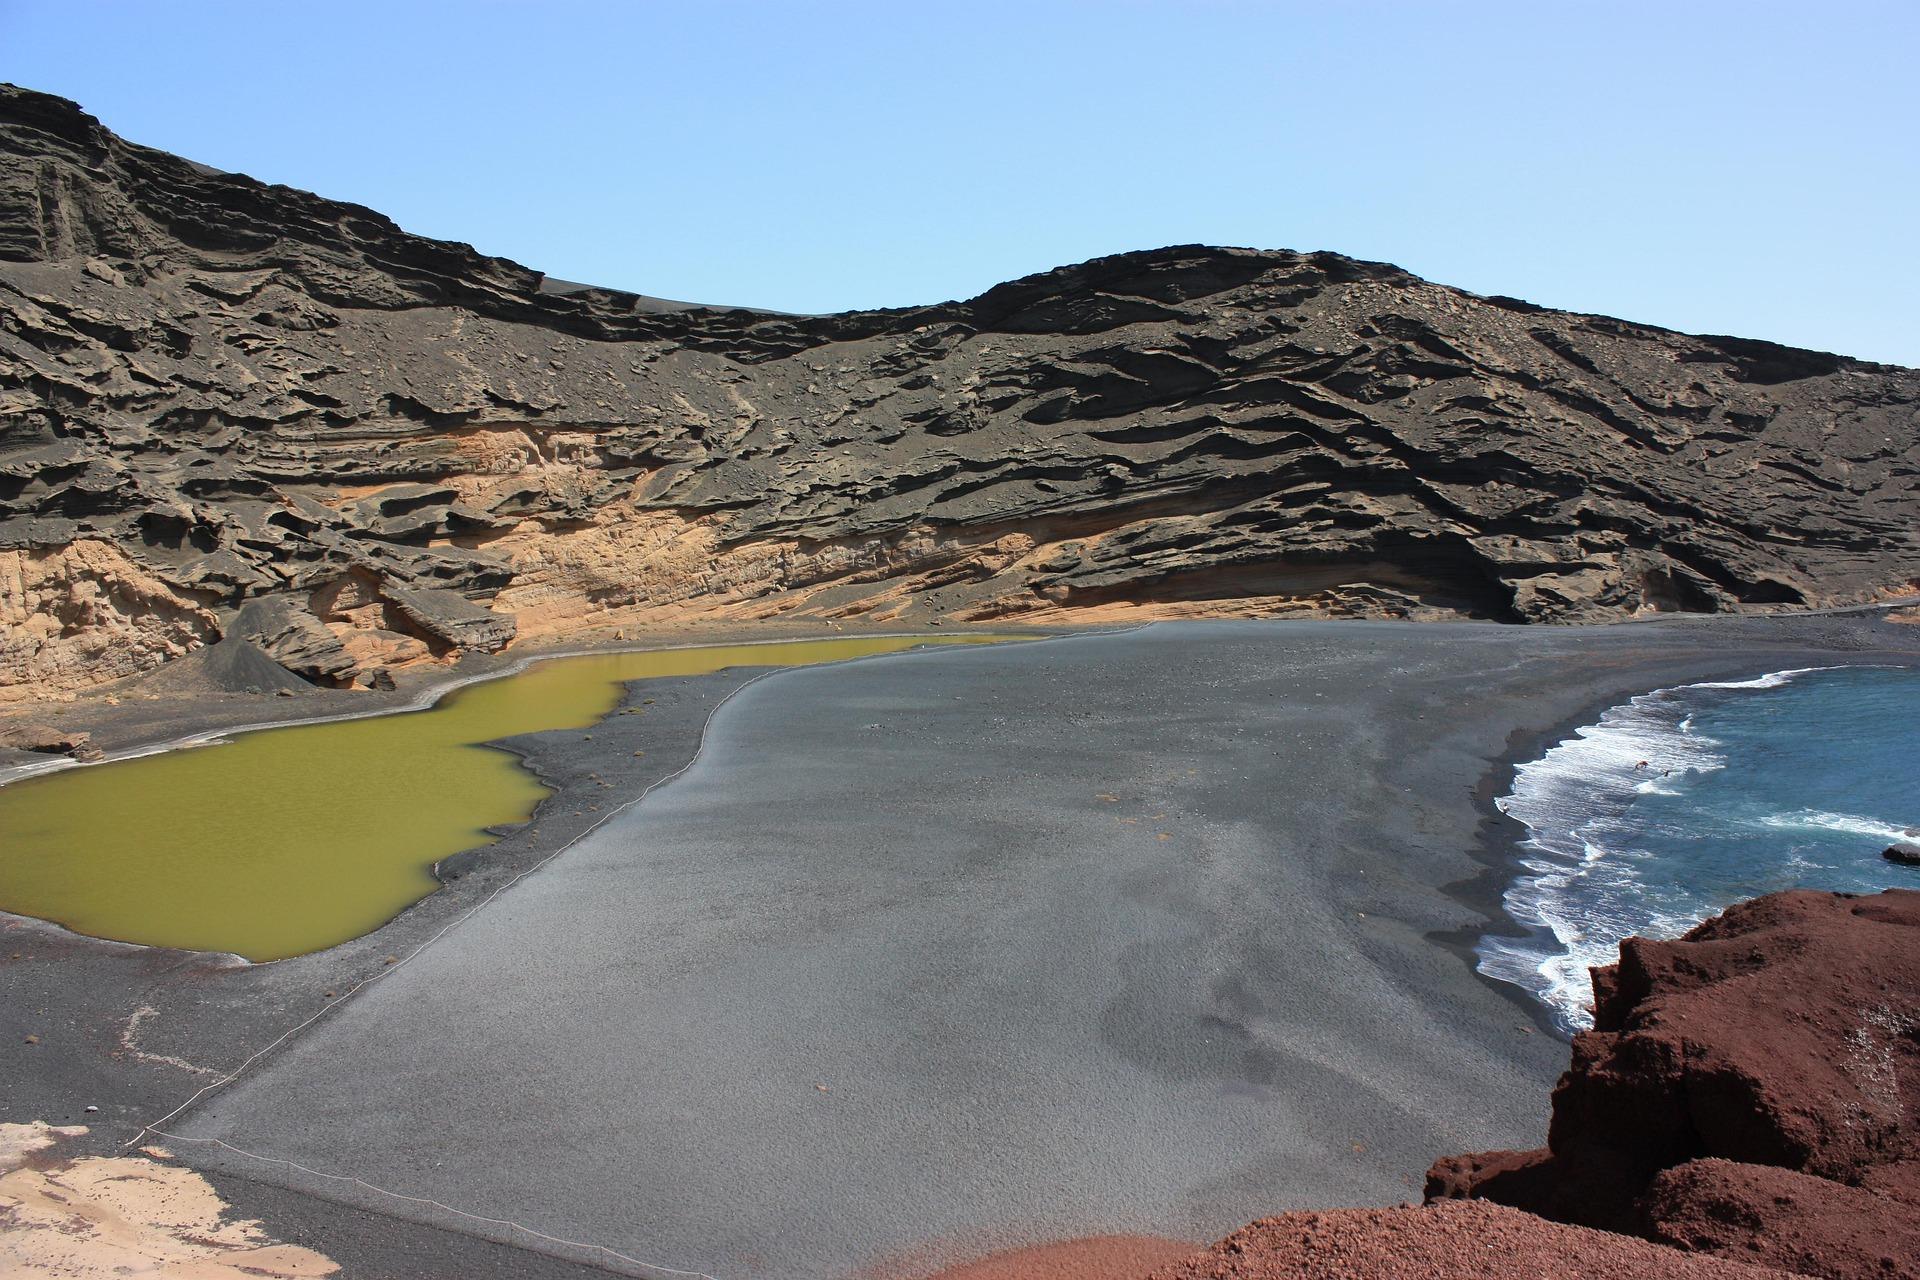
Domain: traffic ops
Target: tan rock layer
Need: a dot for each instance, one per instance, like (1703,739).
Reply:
(85,613)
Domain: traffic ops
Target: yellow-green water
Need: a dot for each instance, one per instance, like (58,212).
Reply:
(286,841)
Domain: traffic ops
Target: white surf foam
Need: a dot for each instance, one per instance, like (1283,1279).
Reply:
(1771,680)
(1571,801)
(1851,823)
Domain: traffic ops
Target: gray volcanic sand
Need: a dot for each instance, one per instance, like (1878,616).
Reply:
(1128,932)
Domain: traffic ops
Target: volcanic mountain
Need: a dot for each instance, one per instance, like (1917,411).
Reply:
(232,410)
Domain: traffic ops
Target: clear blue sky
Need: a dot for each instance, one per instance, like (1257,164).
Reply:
(1749,167)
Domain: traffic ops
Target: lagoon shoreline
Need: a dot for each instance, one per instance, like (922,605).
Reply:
(284,841)
(180,705)
(1443,843)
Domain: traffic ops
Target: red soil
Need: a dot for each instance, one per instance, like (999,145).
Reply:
(1453,1240)
(1092,1258)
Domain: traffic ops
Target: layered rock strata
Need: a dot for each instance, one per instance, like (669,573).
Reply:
(231,408)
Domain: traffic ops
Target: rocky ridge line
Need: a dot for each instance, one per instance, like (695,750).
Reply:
(236,410)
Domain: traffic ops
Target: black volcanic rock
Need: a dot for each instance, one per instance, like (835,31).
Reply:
(215,392)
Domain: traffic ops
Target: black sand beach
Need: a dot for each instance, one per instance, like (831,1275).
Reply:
(1149,932)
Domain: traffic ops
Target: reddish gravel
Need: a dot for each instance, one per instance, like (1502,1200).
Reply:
(1092,1258)
(1451,1240)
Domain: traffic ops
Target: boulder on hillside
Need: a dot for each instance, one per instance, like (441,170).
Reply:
(448,620)
(287,632)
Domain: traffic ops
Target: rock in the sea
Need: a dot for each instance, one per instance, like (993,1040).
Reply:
(1903,851)
(1751,1089)
(227,393)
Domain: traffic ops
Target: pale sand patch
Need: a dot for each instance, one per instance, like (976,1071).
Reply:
(18,1141)
(123,1216)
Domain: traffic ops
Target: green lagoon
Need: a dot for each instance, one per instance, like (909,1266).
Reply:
(285,841)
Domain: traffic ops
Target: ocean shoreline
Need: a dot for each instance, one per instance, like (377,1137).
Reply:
(1368,877)
(1501,846)
(1584,778)
(136,729)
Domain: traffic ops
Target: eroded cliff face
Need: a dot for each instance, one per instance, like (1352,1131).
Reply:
(233,409)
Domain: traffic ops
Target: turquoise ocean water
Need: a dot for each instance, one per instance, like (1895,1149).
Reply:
(1685,800)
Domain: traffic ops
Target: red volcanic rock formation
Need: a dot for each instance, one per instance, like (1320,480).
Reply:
(1750,1090)
(1446,1241)
(1747,1210)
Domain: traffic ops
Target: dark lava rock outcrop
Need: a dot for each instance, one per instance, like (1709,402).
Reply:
(216,393)
(1751,1090)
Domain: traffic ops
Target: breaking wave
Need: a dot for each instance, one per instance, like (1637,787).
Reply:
(1670,807)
